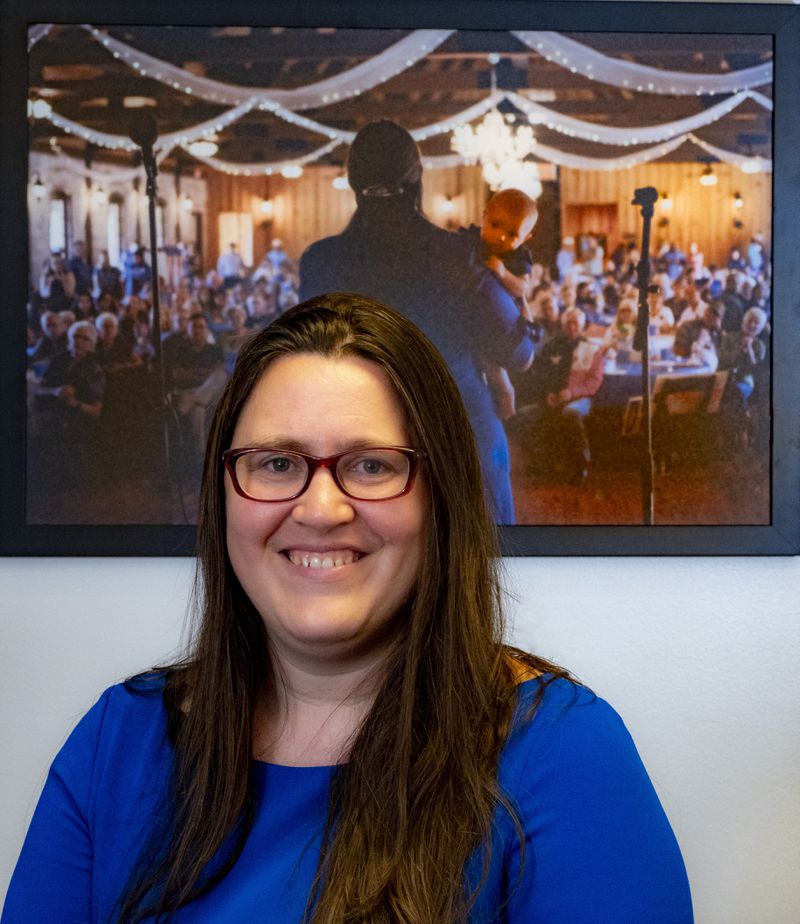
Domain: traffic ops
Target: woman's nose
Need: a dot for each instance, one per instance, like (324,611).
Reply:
(323,504)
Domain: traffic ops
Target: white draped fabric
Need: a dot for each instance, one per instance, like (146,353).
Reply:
(730,157)
(643,134)
(37,32)
(576,128)
(266,167)
(645,156)
(665,137)
(580,59)
(353,82)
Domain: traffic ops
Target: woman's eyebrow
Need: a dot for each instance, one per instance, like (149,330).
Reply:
(291,444)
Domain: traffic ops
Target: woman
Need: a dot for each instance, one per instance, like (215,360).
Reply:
(391,252)
(348,739)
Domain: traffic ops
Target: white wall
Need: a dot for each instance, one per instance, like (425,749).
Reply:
(700,656)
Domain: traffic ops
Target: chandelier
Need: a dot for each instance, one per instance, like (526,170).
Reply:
(500,150)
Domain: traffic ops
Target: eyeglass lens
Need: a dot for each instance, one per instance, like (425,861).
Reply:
(366,474)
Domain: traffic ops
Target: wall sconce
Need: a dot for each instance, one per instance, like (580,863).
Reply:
(266,208)
(665,202)
(447,206)
(99,196)
(340,183)
(187,203)
(738,201)
(38,188)
(751,165)
(708,177)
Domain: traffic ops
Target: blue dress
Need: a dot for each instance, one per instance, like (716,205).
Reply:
(432,276)
(598,846)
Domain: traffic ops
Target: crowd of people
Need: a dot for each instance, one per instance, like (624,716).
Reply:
(705,317)
(91,355)
(92,376)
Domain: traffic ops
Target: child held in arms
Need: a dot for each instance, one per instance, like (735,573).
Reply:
(508,222)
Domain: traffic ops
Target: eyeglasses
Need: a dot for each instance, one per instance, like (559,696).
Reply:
(372,474)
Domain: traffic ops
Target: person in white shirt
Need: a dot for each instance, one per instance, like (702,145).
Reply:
(230,267)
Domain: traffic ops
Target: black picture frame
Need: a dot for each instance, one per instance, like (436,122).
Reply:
(782,22)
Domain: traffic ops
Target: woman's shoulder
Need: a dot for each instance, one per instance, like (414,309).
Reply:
(559,722)
(127,719)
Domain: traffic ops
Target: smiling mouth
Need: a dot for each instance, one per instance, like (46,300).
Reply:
(337,558)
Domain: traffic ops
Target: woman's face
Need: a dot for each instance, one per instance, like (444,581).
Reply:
(327,573)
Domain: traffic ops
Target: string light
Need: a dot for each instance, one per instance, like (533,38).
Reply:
(292,171)
(340,183)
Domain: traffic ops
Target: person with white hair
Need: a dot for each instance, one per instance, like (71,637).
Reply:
(741,352)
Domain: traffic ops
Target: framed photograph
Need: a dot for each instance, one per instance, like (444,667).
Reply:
(166,166)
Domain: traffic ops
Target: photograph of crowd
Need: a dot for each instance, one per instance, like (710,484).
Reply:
(481,182)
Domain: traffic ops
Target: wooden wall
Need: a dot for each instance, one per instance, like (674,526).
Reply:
(309,208)
(704,214)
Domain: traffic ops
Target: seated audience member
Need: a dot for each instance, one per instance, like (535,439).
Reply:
(263,311)
(196,371)
(114,351)
(85,309)
(694,304)
(673,261)
(697,263)
(735,261)
(733,304)
(546,317)
(52,342)
(741,352)
(67,405)
(287,296)
(619,335)
(660,314)
(566,372)
(143,337)
(233,337)
(108,278)
(175,335)
(68,318)
(699,340)
(586,301)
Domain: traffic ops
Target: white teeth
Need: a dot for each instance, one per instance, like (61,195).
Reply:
(321,560)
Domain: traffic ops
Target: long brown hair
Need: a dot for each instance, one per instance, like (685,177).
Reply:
(419,790)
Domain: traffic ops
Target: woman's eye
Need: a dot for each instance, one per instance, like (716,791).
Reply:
(370,466)
(274,465)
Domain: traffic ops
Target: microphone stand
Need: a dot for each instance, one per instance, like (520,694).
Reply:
(151,170)
(646,198)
